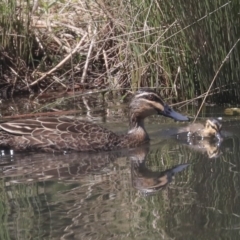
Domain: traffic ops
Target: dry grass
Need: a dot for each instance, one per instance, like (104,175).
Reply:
(80,44)
(72,44)
(85,44)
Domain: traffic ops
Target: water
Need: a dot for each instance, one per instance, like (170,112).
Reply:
(169,190)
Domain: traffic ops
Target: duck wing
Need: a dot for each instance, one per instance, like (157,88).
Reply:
(59,134)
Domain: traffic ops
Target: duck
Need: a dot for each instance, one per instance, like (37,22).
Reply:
(56,134)
(211,130)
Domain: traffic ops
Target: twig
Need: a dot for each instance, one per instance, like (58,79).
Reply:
(174,88)
(61,63)
(106,64)
(31,115)
(186,102)
(88,57)
(225,59)
(56,79)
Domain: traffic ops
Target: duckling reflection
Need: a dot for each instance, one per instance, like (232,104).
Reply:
(211,147)
(148,181)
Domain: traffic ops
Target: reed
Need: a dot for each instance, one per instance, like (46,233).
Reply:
(185,44)
(175,47)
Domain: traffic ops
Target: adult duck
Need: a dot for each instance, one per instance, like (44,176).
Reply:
(65,134)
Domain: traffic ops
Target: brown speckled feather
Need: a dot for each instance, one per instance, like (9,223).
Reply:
(65,134)
(58,134)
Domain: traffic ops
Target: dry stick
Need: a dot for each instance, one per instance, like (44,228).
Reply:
(106,64)
(31,115)
(35,6)
(174,88)
(201,96)
(56,79)
(88,57)
(186,102)
(225,59)
(61,63)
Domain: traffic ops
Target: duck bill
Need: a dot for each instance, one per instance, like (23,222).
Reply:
(179,168)
(169,112)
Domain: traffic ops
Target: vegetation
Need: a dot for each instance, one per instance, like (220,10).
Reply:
(82,44)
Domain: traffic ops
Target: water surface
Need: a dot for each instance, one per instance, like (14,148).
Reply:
(168,190)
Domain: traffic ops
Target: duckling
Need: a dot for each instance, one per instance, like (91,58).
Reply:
(211,130)
(65,134)
(205,139)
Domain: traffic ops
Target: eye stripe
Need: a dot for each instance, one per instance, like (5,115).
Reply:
(150,96)
(217,127)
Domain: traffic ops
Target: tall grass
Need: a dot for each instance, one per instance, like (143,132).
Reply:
(176,47)
(184,44)
(16,37)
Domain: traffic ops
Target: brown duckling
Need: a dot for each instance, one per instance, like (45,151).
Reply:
(211,130)
(205,139)
(65,134)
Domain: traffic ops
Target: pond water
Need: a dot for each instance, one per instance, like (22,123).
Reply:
(168,190)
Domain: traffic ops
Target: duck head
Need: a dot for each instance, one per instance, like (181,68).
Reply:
(212,129)
(147,103)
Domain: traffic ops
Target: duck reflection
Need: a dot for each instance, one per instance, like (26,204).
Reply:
(147,181)
(42,166)
(45,167)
